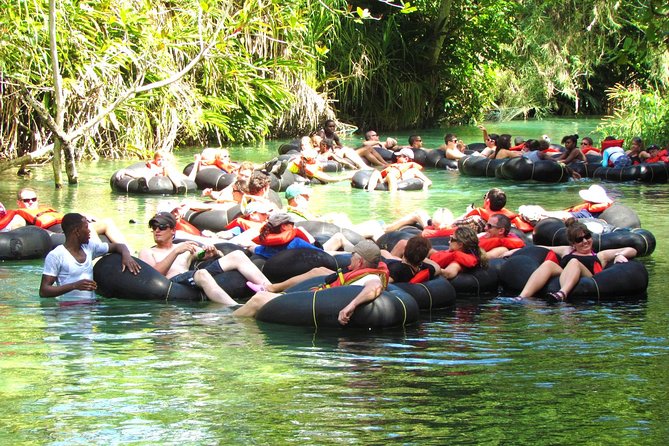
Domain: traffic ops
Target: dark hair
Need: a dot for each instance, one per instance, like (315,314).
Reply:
(610,138)
(503,222)
(329,143)
(494,137)
(449,137)
(258,182)
(588,139)
(637,140)
(368,134)
(574,228)
(497,199)
(470,244)
(533,144)
(504,141)
(543,144)
(573,138)
(70,222)
(652,147)
(416,250)
(413,139)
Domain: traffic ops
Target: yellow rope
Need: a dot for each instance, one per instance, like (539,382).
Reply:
(428,293)
(404,321)
(313,308)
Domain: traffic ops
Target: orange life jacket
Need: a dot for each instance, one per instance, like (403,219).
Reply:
(183,225)
(445,258)
(511,241)
(245,224)
(351,276)
(593,208)
(7,218)
(283,238)
(486,213)
(227,167)
(41,217)
(431,232)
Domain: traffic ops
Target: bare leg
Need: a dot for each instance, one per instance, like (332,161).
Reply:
(109,228)
(254,304)
(540,278)
(392,182)
(211,289)
(372,156)
(237,260)
(374,179)
(420,217)
(571,274)
(337,242)
(315,272)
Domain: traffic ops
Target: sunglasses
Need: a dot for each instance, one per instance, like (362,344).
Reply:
(454,140)
(583,237)
(489,226)
(161,227)
(29,200)
(454,240)
(585,143)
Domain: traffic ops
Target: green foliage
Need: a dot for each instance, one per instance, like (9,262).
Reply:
(637,113)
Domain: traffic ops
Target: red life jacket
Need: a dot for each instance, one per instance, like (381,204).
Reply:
(445,258)
(511,241)
(351,276)
(245,224)
(421,276)
(283,238)
(612,143)
(431,232)
(41,217)
(7,218)
(593,150)
(183,225)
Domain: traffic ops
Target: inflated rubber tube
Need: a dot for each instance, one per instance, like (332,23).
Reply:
(149,284)
(292,147)
(213,177)
(387,155)
(437,159)
(475,283)
(293,262)
(420,156)
(281,183)
(28,242)
(585,170)
(361,178)
(552,232)
(332,166)
(522,169)
(476,146)
(317,228)
(430,295)
(321,309)
(617,282)
(213,220)
(654,173)
(388,240)
(479,166)
(621,216)
(630,173)
(234,283)
(155,185)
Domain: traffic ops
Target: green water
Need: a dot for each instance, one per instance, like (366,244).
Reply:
(126,372)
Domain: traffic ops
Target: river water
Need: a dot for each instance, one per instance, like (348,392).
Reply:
(128,372)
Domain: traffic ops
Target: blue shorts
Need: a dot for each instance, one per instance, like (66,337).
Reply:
(187,278)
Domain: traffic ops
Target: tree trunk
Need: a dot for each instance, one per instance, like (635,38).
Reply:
(58,98)
(439,30)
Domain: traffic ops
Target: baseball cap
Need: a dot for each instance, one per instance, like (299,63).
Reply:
(406,152)
(163,218)
(368,250)
(295,190)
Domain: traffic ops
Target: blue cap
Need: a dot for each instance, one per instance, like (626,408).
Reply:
(295,190)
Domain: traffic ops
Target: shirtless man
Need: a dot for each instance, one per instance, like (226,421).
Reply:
(173,260)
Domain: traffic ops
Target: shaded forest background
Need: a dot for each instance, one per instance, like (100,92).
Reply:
(123,78)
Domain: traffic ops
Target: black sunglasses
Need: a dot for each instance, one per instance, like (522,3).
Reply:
(453,239)
(161,227)
(583,237)
(488,226)
(29,200)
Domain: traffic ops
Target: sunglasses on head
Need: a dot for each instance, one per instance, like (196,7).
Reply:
(29,200)
(161,227)
(583,237)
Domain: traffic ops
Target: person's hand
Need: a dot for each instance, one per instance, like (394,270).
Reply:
(482,128)
(191,247)
(469,208)
(129,263)
(345,315)
(85,285)
(619,258)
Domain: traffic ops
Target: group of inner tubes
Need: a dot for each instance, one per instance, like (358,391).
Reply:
(402,303)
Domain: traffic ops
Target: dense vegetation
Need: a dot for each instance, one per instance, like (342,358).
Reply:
(135,76)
